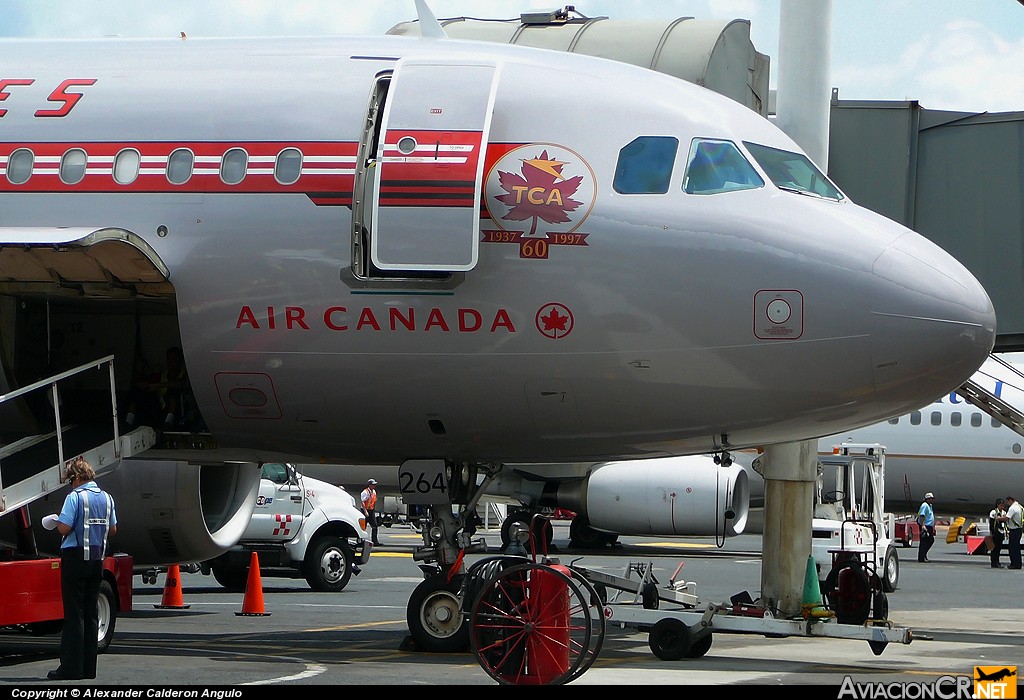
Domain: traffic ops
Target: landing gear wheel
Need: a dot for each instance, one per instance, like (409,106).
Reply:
(506,526)
(435,617)
(542,533)
(890,571)
(106,608)
(670,639)
(583,536)
(328,565)
(232,578)
(534,624)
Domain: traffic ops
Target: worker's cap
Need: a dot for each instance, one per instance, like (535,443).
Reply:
(929,495)
(371,481)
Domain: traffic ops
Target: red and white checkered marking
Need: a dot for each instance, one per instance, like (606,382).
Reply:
(283,526)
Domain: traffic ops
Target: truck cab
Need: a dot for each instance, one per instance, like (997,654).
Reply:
(301,527)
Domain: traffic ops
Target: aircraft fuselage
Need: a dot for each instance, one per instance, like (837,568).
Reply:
(483,289)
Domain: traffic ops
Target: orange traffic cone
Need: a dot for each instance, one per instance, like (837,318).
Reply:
(252,604)
(172,590)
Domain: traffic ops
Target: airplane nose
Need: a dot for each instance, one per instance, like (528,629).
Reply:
(934,323)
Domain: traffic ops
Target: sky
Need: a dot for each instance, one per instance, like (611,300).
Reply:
(963,55)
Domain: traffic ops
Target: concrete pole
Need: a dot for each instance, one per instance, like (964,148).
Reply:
(790,470)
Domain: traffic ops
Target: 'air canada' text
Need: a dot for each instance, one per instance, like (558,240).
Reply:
(340,318)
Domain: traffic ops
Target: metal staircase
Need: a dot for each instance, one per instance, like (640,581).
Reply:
(991,404)
(32,466)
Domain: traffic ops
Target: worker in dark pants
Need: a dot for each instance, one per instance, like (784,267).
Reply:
(926,519)
(86,521)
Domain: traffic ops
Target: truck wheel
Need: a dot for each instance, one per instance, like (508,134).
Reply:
(106,607)
(890,570)
(328,565)
(233,578)
(434,615)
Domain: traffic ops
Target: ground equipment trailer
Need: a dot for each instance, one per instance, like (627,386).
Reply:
(539,622)
(30,596)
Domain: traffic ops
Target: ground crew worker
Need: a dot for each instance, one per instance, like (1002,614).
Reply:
(86,521)
(926,520)
(369,499)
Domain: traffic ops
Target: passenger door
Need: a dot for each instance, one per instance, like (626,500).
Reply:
(423,171)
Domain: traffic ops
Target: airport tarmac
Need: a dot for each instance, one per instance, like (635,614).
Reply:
(962,614)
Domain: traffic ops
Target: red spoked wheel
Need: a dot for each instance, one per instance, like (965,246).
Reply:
(537,624)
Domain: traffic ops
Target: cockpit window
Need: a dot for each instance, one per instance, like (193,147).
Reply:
(793,172)
(645,165)
(718,166)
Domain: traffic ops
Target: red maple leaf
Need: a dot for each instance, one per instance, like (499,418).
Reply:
(540,180)
(553,321)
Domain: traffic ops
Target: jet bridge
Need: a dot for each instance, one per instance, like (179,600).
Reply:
(35,464)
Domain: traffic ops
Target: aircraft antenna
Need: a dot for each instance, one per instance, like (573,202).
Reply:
(429,26)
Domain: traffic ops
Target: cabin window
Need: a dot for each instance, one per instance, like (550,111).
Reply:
(976,420)
(288,166)
(915,418)
(645,165)
(179,166)
(19,166)
(72,166)
(233,165)
(996,422)
(895,421)
(718,166)
(936,418)
(126,166)
(793,172)
(956,418)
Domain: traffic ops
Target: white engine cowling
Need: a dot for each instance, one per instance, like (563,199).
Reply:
(181,512)
(168,512)
(668,496)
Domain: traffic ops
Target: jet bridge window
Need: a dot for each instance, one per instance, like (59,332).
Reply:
(645,165)
(718,166)
(19,166)
(793,172)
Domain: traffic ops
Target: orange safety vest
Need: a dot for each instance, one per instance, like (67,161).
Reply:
(369,497)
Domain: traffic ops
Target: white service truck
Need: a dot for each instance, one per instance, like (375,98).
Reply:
(301,528)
